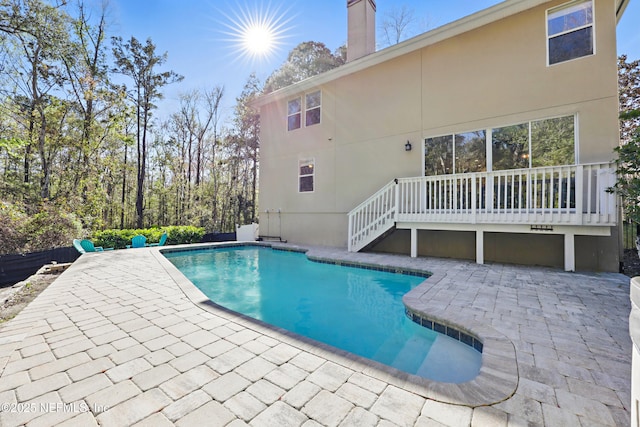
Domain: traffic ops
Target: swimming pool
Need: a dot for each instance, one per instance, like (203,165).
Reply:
(355,309)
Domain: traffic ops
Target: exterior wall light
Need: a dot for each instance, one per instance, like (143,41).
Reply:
(407,146)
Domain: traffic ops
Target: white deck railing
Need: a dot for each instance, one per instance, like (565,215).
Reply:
(373,217)
(559,195)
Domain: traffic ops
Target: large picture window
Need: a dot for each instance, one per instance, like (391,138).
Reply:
(539,143)
(548,142)
(459,153)
(553,142)
(438,155)
(510,147)
(470,152)
(306,173)
(570,31)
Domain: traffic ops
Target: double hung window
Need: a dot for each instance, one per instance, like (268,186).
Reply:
(294,114)
(312,109)
(306,174)
(313,101)
(570,32)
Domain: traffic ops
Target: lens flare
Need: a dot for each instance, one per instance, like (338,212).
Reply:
(258,40)
(256,33)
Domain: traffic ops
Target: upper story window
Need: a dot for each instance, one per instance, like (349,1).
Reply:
(312,110)
(313,101)
(570,31)
(294,114)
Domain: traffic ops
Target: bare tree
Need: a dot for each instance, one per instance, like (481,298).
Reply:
(399,24)
(87,71)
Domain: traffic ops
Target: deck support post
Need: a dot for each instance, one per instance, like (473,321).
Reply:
(414,242)
(569,252)
(479,247)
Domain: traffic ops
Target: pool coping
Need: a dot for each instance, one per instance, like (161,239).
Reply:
(496,382)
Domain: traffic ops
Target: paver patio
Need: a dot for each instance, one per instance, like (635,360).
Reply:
(116,340)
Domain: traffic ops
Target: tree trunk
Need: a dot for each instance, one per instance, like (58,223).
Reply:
(124,187)
(638,238)
(27,161)
(140,164)
(46,173)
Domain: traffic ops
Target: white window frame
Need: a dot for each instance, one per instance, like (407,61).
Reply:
(308,161)
(304,110)
(318,107)
(592,24)
(489,139)
(298,113)
(453,147)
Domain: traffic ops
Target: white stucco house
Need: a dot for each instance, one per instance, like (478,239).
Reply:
(490,138)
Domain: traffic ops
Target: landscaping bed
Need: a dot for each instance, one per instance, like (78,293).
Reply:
(14,298)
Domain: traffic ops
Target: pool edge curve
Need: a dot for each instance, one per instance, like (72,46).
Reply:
(496,382)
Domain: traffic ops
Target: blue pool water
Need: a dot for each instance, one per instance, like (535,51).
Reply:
(355,309)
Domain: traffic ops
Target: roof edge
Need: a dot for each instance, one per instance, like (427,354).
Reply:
(621,6)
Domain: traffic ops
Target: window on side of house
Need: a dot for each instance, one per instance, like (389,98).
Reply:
(553,142)
(313,102)
(471,152)
(306,175)
(457,153)
(570,32)
(438,155)
(547,142)
(534,144)
(510,147)
(294,114)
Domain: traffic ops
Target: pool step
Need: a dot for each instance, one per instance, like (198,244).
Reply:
(409,354)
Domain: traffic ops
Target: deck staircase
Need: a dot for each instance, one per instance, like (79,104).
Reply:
(373,218)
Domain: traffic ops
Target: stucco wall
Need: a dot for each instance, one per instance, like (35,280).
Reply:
(592,253)
(493,76)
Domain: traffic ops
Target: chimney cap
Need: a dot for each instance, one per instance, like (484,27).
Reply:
(352,2)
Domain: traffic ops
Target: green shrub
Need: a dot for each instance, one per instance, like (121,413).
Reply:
(182,234)
(12,220)
(50,228)
(118,239)
(176,235)
(46,226)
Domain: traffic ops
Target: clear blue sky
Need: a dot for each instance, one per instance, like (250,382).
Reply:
(195,34)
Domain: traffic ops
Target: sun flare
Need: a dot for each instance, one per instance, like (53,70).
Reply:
(257,33)
(258,39)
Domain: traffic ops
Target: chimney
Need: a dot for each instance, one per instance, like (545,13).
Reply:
(361,38)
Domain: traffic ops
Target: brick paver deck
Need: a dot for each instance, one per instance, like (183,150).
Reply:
(121,339)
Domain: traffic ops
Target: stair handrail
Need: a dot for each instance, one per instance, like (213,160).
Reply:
(391,183)
(354,233)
